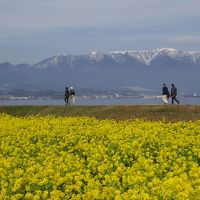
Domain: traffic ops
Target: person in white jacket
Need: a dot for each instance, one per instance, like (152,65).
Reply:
(72,95)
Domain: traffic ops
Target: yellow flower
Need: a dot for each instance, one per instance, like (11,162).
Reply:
(48,157)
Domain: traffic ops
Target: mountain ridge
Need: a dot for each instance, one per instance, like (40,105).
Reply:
(144,57)
(116,69)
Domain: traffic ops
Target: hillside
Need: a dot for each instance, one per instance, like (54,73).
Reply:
(117,69)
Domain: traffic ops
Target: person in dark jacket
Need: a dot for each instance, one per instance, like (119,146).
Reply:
(165,93)
(66,96)
(174,94)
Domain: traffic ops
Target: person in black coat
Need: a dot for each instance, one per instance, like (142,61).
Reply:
(66,96)
(165,93)
(174,94)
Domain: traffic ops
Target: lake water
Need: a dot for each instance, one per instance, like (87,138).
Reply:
(109,101)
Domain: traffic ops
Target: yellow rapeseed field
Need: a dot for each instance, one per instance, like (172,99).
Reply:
(85,158)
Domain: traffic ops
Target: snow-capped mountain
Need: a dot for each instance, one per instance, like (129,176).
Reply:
(146,69)
(143,57)
(146,57)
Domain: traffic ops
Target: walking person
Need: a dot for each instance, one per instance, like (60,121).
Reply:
(66,96)
(165,94)
(72,95)
(174,94)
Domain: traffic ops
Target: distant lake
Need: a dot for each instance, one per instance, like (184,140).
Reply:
(109,101)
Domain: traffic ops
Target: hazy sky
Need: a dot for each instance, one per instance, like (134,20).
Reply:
(31,30)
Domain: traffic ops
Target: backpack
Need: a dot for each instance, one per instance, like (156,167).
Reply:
(72,92)
(174,91)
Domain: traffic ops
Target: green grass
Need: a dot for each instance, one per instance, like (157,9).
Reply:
(118,112)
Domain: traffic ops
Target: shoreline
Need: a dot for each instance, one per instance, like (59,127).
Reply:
(171,113)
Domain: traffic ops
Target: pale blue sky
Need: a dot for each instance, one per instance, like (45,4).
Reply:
(31,30)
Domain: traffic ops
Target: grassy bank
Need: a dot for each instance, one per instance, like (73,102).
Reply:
(118,112)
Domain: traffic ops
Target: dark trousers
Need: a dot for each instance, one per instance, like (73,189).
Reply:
(174,99)
(66,100)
